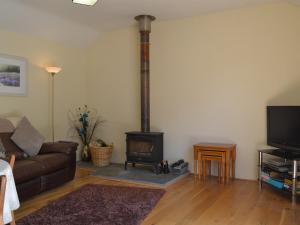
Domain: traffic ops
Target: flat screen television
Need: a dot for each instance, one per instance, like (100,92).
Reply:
(283,127)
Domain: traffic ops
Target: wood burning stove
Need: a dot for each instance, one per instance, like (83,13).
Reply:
(144,147)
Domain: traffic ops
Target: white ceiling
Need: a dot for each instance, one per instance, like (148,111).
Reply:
(61,20)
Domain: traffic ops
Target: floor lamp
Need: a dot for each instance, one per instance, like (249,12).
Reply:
(52,71)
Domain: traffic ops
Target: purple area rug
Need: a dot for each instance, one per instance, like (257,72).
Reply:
(97,205)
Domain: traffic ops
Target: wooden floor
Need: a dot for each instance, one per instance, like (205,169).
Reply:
(190,202)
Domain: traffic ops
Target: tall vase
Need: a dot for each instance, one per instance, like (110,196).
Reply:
(86,153)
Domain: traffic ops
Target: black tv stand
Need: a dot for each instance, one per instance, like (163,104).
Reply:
(287,155)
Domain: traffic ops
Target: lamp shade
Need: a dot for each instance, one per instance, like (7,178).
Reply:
(53,70)
(85,2)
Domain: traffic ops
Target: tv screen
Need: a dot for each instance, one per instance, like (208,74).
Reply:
(283,127)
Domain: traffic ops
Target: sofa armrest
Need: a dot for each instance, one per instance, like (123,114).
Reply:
(59,147)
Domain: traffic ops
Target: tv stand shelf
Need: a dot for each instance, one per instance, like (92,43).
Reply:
(293,157)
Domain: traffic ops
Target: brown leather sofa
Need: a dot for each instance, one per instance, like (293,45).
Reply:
(53,166)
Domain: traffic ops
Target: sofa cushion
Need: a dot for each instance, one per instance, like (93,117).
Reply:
(11,147)
(27,137)
(52,162)
(25,170)
(6,126)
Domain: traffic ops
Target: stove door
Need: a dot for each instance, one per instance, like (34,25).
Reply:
(140,149)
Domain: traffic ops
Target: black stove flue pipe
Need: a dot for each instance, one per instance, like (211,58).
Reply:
(145,29)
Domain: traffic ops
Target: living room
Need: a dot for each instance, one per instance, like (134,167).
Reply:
(215,66)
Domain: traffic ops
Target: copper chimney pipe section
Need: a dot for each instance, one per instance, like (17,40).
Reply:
(145,30)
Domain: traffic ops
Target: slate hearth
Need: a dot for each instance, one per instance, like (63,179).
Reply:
(140,174)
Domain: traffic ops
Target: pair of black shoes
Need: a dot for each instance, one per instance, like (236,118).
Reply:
(164,167)
(178,163)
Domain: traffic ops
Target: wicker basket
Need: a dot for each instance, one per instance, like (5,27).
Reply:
(101,155)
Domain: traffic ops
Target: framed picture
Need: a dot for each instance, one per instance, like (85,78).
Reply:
(13,77)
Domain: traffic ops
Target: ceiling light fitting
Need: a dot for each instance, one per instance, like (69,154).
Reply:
(85,2)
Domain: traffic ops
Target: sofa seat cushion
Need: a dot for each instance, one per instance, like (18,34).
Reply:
(25,170)
(52,162)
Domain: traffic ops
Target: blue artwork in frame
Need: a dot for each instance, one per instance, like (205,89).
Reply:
(13,75)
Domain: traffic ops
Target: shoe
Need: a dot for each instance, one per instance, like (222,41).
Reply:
(181,161)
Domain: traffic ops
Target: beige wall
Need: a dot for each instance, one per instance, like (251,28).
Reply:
(211,79)
(113,86)
(70,84)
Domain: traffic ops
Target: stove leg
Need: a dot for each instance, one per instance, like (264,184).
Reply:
(125,166)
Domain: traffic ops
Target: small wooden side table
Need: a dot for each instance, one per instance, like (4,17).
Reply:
(230,157)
